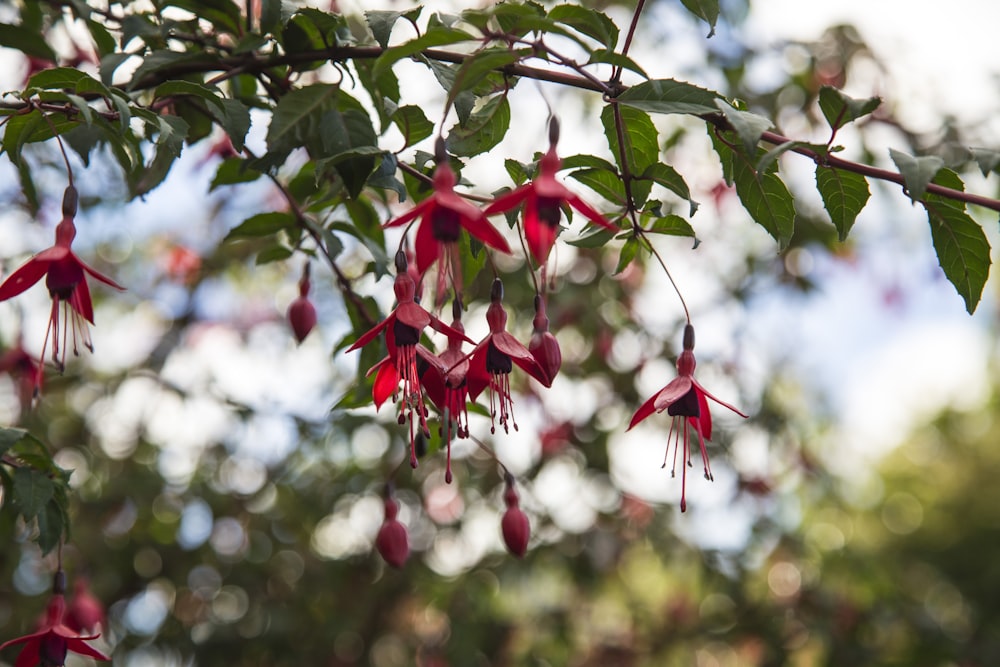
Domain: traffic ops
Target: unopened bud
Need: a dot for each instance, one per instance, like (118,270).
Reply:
(302,317)
(688,336)
(70,200)
(392,542)
(553,131)
(514,525)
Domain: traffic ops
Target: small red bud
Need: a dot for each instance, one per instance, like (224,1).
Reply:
(301,313)
(392,542)
(302,317)
(85,613)
(514,524)
(543,345)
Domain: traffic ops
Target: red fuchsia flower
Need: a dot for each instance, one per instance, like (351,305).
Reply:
(443,215)
(25,370)
(47,647)
(85,612)
(543,345)
(447,386)
(686,400)
(392,542)
(514,525)
(65,277)
(543,200)
(402,336)
(493,359)
(302,313)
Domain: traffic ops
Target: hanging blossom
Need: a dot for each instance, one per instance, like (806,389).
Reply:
(402,337)
(514,526)
(685,400)
(443,215)
(447,386)
(65,278)
(392,541)
(493,360)
(543,200)
(48,646)
(543,344)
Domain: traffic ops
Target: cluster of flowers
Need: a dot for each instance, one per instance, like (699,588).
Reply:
(62,629)
(410,371)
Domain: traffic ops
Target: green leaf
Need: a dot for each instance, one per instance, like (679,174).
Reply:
(232,171)
(602,181)
(749,126)
(262,224)
(235,121)
(598,237)
(181,88)
(641,144)
(618,60)
(297,117)
(10,437)
(961,245)
(412,123)
(275,253)
(844,194)
(53,523)
(439,35)
(630,249)
(766,198)
(672,225)
(839,109)
(381,23)
(485,128)
(916,171)
(670,96)
(32,489)
(667,176)
(385,177)
(223,14)
(471,72)
(28,42)
(348,144)
(987,159)
(270,16)
(589,22)
(707,10)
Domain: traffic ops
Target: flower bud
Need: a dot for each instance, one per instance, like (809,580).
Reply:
(69,203)
(392,542)
(301,313)
(85,613)
(543,345)
(514,525)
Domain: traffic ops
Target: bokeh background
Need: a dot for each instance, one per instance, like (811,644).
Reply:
(225,511)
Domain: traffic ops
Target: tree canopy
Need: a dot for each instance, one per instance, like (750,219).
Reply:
(369,337)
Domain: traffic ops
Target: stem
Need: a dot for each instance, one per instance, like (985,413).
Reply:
(617,72)
(656,254)
(62,148)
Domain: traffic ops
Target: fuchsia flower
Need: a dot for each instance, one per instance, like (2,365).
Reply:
(65,277)
(514,525)
(685,399)
(447,386)
(47,647)
(543,200)
(85,612)
(492,361)
(443,215)
(301,312)
(402,336)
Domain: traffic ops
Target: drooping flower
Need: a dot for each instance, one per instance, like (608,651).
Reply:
(686,401)
(443,215)
(493,360)
(514,526)
(392,542)
(48,646)
(301,312)
(65,278)
(543,345)
(543,200)
(447,386)
(402,336)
